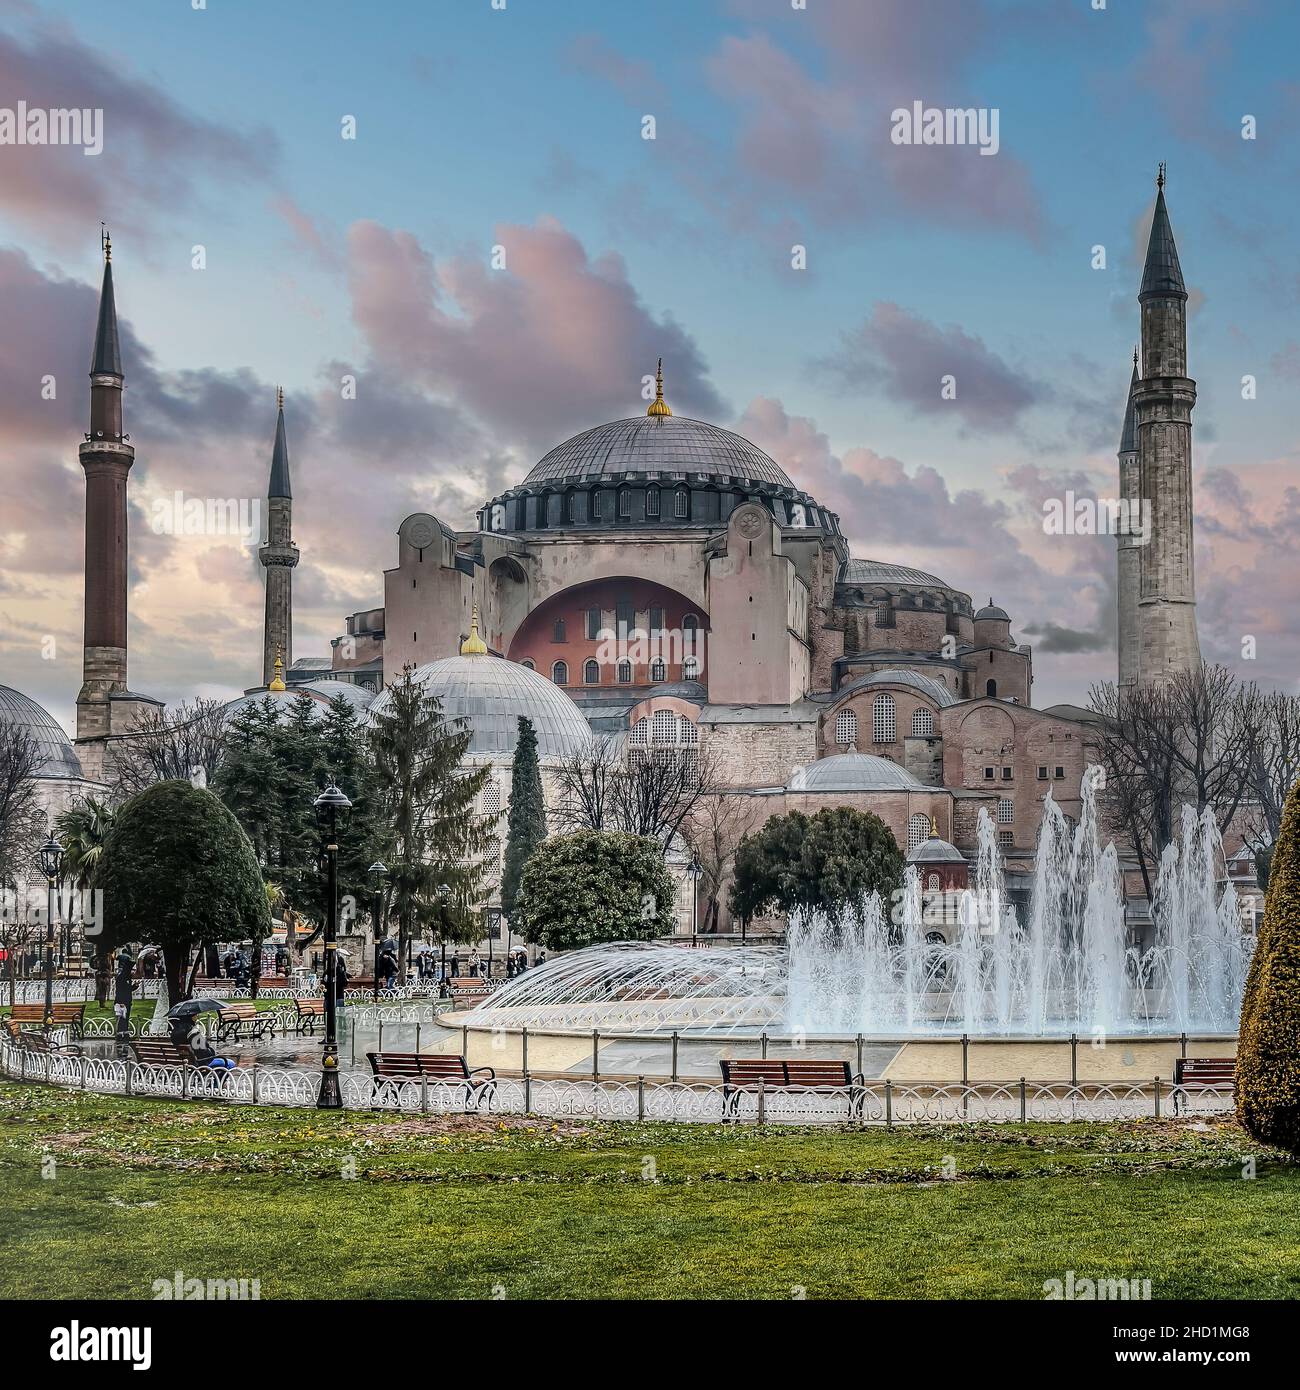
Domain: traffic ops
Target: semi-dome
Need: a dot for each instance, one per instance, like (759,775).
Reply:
(663,444)
(490,693)
(53,747)
(853,772)
(923,685)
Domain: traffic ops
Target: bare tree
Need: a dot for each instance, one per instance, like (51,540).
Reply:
(168,745)
(644,790)
(1189,740)
(717,824)
(1274,770)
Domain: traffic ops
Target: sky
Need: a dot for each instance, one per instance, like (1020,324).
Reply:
(454,205)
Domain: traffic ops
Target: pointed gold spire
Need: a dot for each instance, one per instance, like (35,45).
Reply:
(659,406)
(277,675)
(473,645)
(934,827)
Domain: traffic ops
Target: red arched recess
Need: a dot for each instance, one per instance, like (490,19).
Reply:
(657,621)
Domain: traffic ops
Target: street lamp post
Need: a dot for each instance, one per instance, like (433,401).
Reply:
(694,873)
(378,873)
(51,863)
(330,805)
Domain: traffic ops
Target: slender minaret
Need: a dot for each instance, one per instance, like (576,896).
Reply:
(278,556)
(106,456)
(1163,399)
(1127,541)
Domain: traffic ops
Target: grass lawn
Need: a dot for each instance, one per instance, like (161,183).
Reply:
(457,1207)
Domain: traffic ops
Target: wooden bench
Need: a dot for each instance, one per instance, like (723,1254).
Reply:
(65,1015)
(1193,1074)
(307,1011)
(243,1021)
(469,987)
(395,1067)
(33,1042)
(743,1074)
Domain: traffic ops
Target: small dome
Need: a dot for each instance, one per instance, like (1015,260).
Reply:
(53,746)
(664,444)
(991,610)
(936,851)
(853,772)
(923,685)
(319,692)
(490,693)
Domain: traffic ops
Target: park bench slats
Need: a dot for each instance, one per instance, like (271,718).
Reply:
(307,1010)
(469,987)
(395,1067)
(65,1015)
(244,1020)
(743,1074)
(1193,1074)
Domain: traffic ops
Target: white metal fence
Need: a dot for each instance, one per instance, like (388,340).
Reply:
(873,1103)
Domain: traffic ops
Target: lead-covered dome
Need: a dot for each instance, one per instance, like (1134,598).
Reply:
(853,772)
(490,693)
(662,444)
(53,746)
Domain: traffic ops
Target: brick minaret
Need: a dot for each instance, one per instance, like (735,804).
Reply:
(1163,399)
(1128,547)
(278,556)
(107,456)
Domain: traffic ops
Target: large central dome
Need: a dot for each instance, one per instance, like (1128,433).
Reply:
(662,444)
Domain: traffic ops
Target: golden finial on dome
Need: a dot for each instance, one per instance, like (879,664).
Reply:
(473,645)
(277,674)
(934,827)
(659,406)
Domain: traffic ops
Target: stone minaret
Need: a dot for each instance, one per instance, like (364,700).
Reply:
(278,556)
(106,456)
(1163,399)
(1129,550)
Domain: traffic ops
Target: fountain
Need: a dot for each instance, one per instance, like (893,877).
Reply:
(934,965)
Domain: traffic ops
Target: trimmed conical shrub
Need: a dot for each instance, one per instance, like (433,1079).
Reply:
(1268,1051)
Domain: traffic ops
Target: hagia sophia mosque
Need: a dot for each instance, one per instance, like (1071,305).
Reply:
(664,582)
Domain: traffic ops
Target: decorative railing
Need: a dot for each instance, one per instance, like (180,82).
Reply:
(874,1103)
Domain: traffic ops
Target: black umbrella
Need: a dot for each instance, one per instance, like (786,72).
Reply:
(189,1007)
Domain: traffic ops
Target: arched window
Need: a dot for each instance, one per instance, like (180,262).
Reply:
(690,623)
(658,671)
(991,689)
(846,728)
(690,668)
(932,883)
(591,672)
(882,719)
(641,731)
(543,511)
(560,672)
(682,504)
(1006,811)
(558,634)
(664,727)
(922,723)
(527,664)
(918,831)
(571,507)
(652,502)
(625,672)
(491,803)
(625,502)
(690,735)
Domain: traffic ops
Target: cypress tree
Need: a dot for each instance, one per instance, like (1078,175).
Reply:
(526,825)
(1268,1047)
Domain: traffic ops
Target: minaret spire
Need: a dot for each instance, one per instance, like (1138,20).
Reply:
(659,406)
(1162,398)
(106,456)
(278,556)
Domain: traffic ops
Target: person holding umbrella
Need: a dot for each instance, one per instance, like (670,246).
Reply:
(184,1031)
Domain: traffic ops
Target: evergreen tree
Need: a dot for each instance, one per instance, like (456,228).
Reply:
(1268,1050)
(178,872)
(434,841)
(526,824)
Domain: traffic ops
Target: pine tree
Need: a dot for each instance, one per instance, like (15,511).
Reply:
(434,841)
(526,825)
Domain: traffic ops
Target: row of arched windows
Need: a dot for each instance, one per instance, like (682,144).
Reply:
(654,506)
(624,672)
(883,721)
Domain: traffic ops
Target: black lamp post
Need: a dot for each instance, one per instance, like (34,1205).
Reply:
(51,862)
(693,873)
(331,804)
(378,875)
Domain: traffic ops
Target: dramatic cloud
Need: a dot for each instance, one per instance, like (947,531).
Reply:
(155,156)
(910,359)
(544,347)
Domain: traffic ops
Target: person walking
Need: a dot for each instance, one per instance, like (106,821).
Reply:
(123,988)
